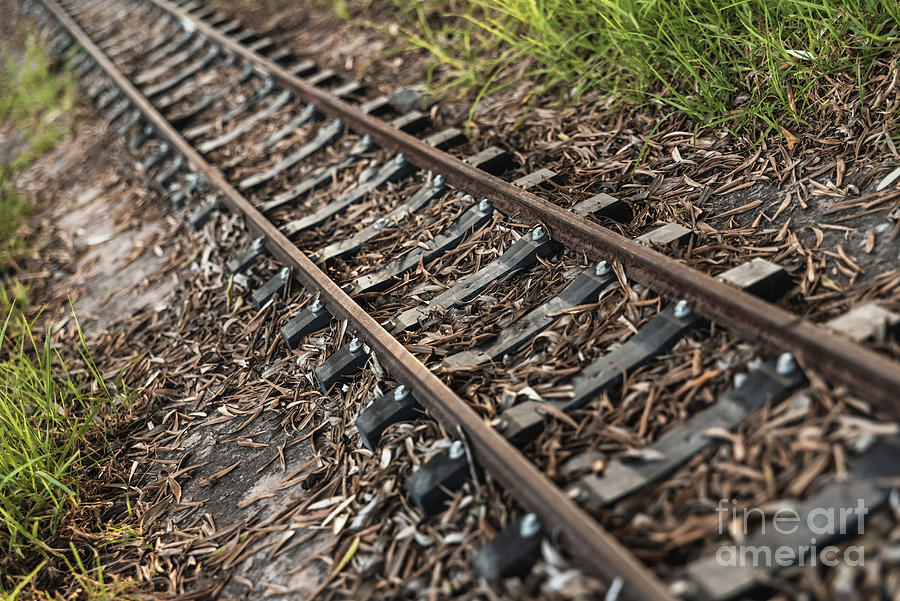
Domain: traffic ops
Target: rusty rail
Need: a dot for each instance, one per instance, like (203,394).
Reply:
(598,552)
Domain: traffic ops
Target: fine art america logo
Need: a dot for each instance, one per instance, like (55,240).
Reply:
(817,524)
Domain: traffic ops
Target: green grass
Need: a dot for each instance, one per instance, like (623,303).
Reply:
(47,417)
(34,99)
(718,62)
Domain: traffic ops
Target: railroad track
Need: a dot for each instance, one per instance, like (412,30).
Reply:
(401,226)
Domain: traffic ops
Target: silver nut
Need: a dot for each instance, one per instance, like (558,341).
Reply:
(285,273)
(257,243)
(683,589)
(316,306)
(366,140)
(786,364)
(602,268)
(401,392)
(577,494)
(400,159)
(538,233)
(438,181)
(682,309)
(484,206)
(380,223)
(529,526)
(338,123)
(499,424)
(457,449)
(354,345)
(739,380)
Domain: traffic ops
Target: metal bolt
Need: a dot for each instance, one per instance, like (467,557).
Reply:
(683,589)
(366,140)
(380,223)
(400,393)
(786,364)
(739,380)
(577,494)
(400,159)
(529,526)
(257,243)
(682,309)
(457,449)
(499,424)
(284,273)
(316,306)
(355,345)
(537,233)
(602,268)
(484,206)
(338,123)
(438,181)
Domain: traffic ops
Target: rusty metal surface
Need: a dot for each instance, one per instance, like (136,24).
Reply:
(843,362)
(596,550)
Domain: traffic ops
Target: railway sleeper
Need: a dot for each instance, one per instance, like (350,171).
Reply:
(393,170)
(186,73)
(268,85)
(522,422)
(444,139)
(514,549)
(431,190)
(864,491)
(320,178)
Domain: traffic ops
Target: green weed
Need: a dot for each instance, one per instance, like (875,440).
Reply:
(46,417)
(718,62)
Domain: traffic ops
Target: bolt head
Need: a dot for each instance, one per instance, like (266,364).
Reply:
(739,380)
(538,233)
(499,424)
(366,140)
(457,449)
(786,364)
(485,205)
(401,392)
(258,243)
(529,526)
(284,273)
(438,181)
(602,268)
(577,494)
(380,223)
(400,159)
(338,123)
(682,309)
(355,345)
(316,306)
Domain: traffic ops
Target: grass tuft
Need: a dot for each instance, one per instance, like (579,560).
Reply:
(717,62)
(47,417)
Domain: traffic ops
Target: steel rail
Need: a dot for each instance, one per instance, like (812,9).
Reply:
(841,361)
(598,552)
